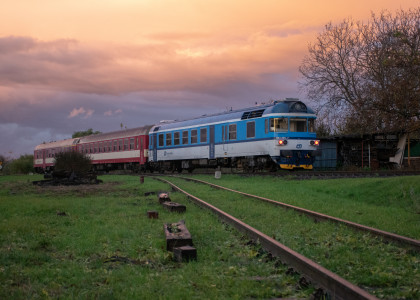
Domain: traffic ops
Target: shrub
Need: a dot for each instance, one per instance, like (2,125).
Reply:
(72,161)
(22,165)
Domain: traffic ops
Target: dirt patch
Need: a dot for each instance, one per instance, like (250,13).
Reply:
(83,190)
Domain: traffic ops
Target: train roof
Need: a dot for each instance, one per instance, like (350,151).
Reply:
(116,134)
(57,144)
(276,107)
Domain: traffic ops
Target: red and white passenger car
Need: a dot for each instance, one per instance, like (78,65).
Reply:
(44,154)
(123,149)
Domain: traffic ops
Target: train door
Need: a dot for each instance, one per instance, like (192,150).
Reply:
(44,156)
(154,146)
(211,146)
(225,137)
(141,150)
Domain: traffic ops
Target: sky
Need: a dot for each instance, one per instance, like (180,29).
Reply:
(71,65)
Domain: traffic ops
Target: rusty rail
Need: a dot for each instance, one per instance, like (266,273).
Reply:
(338,287)
(415,244)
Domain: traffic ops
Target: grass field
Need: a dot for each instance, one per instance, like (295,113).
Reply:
(390,204)
(384,269)
(105,247)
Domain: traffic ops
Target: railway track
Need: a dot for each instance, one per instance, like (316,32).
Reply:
(337,287)
(413,243)
(345,174)
(299,174)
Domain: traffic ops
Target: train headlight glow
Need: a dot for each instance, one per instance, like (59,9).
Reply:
(282,142)
(314,143)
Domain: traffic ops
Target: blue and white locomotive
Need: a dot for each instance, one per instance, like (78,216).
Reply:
(279,134)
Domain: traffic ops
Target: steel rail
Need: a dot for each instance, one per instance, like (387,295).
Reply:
(299,174)
(415,244)
(337,287)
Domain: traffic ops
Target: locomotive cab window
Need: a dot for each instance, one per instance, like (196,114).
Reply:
(194,136)
(298,125)
(278,125)
(311,124)
(203,135)
(250,130)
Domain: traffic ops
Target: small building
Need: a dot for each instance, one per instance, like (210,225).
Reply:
(370,151)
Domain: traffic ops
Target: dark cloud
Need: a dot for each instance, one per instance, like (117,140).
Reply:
(50,89)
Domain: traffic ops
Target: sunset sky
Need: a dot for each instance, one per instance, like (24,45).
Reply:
(67,66)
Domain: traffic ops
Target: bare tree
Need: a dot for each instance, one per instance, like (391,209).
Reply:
(366,76)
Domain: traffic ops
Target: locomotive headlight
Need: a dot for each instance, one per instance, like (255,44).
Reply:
(282,142)
(314,143)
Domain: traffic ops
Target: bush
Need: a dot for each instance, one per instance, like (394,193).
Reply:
(23,165)
(72,161)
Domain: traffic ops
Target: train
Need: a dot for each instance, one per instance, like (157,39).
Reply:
(280,134)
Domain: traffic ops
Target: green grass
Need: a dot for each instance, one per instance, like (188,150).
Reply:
(390,204)
(45,255)
(386,270)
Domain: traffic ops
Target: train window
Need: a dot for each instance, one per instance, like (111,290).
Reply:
(125,144)
(131,143)
(278,125)
(250,129)
(203,135)
(266,125)
(91,148)
(298,125)
(185,137)
(176,138)
(109,146)
(311,125)
(137,142)
(115,145)
(120,145)
(101,145)
(194,136)
(161,140)
(141,143)
(232,132)
(169,139)
(95,150)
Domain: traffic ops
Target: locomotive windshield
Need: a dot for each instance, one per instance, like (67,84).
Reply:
(295,125)
(298,125)
(278,125)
